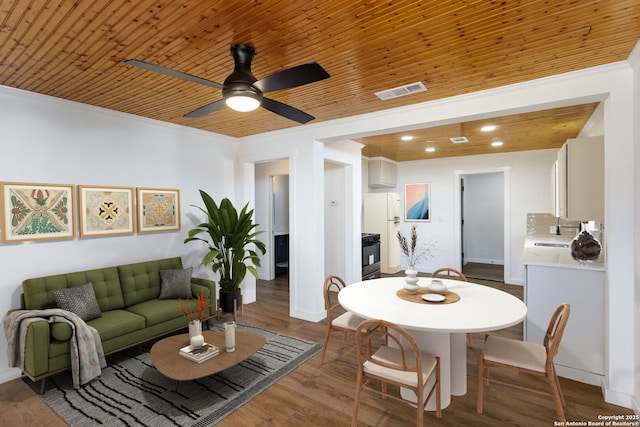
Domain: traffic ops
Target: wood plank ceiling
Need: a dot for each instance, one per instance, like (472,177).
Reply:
(75,51)
(519,132)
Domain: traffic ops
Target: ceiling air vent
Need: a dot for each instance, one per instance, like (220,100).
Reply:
(459,139)
(409,89)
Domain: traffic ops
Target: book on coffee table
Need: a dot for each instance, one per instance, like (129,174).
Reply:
(207,351)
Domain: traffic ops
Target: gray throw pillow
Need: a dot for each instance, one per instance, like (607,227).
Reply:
(175,283)
(80,300)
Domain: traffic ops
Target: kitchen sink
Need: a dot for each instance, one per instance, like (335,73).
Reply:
(552,245)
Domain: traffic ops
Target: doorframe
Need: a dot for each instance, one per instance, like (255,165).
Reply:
(461,223)
(457,210)
(262,177)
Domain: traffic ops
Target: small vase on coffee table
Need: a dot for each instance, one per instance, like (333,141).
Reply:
(196,339)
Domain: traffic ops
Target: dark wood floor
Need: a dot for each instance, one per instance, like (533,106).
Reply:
(20,406)
(475,270)
(322,394)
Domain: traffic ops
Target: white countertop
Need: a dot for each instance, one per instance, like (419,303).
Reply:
(556,257)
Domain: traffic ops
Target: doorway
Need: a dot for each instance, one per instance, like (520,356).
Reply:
(280,224)
(483,225)
(272,214)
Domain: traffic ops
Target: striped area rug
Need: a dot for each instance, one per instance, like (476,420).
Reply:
(130,392)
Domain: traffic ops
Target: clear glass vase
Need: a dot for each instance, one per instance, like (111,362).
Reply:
(585,247)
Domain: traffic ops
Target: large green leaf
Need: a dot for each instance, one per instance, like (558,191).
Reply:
(231,240)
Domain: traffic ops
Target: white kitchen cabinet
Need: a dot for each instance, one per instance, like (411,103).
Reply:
(582,349)
(580,179)
(382,173)
(553,175)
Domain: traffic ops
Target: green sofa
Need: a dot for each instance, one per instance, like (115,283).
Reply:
(128,297)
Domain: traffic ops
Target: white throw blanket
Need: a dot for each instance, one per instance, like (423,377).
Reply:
(87,356)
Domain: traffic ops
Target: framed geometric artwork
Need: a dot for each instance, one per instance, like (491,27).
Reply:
(158,209)
(37,211)
(105,211)
(417,202)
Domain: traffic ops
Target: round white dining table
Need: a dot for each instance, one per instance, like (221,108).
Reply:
(439,328)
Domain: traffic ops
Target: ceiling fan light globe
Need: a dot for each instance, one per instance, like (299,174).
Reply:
(241,96)
(242,103)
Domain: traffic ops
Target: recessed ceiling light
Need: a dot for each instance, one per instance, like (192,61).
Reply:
(488,128)
(496,143)
(406,137)
(429,149)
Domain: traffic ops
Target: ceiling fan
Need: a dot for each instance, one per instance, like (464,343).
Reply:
(241,91)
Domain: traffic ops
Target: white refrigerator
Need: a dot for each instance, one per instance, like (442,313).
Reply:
(382,216)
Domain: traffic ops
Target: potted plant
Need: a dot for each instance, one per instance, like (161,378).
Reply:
(231,239)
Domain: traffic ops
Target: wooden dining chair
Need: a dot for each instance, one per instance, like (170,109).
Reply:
(453,274)
(530,358)
(401,364)
(449,273)
(336,322)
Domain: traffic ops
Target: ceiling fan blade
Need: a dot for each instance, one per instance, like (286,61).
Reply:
(172,73)
(206,109)
(292,77)
(286,111)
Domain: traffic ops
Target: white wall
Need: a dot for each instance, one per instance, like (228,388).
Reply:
(47,140)
(347,155)
(483,228)
(334,219)
(281,203)
(595,124)
(635,62)
(619,215)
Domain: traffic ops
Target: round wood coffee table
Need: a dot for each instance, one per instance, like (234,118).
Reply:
(165,357)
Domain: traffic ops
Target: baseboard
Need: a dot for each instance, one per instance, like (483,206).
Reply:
(311,317)
(484,261)
(635,405)
(578,375)
(9,374)
(621,399)
(610,396)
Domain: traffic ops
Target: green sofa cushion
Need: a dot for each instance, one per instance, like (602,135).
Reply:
(59,348)
(144,334)
(158,311)
(106,285)
(114,323)
(141,281)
